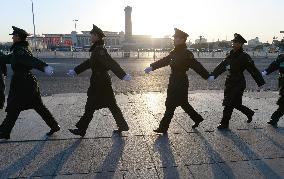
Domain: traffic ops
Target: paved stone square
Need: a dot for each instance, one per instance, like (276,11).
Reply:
(253,150)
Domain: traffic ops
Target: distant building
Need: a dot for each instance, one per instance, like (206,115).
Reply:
(37,43)
(54,40)
(200,41)
(117,40)
(128,23)
(254,42)
(146,41)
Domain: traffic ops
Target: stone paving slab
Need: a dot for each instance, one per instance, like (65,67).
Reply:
(253,150)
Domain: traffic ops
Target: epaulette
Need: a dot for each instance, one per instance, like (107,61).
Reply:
(248,57)
(19,50)
(101,50)
(190,54)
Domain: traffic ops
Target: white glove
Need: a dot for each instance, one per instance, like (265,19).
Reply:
(127,77)
(48,70)
(264,73)
(71,73)
(148,69)
(211,78)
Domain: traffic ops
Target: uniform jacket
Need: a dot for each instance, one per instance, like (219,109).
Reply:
(100,91)
(3,67)
(236,63)
(24,90)
(278,64)
(180,60)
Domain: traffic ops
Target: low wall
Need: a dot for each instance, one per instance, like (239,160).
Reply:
(144,55)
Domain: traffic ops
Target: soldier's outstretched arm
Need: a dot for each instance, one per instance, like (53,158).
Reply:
(22,56)
(82,67)
(221,68)
(30,61)
(199,68)
(274,65)
(162,62)
(255,73)
(104,58)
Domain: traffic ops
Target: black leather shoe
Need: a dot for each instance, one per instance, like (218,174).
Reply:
(120,129)
(160,131)
(53,130)
(223,126)
(4,136)
(77,132)
(273,123)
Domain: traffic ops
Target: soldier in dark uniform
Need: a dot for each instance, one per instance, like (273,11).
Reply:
(100,93)
(236,62)
(24,90)
(180,60)
(3,75)
(278,64)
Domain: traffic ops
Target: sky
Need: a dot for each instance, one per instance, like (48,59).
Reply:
(212,19)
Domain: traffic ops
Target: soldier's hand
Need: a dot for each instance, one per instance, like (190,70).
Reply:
(127,77)
(48,70)
(264,73)
(148,70)
(71,73)
(211,78)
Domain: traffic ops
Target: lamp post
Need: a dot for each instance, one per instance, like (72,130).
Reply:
(34,23)
(199,46)
(75,20)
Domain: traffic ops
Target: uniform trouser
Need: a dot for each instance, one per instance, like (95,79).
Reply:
(85,120)
(228,110)
(13,113)
(278,113)
(2,90)
(170,109)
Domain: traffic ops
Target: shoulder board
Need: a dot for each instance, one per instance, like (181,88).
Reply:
(247,56)
(100,50)
(19,50)
(190,54)
(228,53)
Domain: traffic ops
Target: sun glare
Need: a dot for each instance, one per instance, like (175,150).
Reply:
(153,99)
(159,18)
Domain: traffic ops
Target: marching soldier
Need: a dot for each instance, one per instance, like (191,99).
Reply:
(100,93)
(24,91)
(278,64)
(3,75)
(236,62)
(180,60)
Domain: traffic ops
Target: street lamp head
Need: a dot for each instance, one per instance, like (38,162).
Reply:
(75,20)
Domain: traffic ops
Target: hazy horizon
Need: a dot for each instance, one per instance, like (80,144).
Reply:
(218,19)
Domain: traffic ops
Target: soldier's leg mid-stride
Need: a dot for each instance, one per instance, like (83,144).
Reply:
(100,93)
(236,62)
(180,60)
(276,116)
(13,114)
(277,64)
(24,92)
